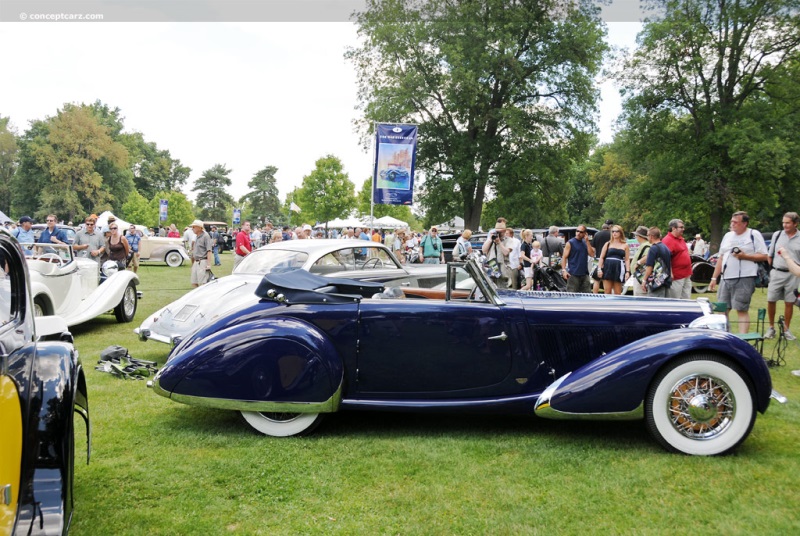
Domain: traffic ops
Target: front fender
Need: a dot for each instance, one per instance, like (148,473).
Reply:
(272,364)
(616,384)
(58,389)
(105,297)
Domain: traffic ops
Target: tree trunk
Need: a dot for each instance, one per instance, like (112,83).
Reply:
(717,231)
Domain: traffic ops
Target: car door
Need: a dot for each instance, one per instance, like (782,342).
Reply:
(432,348)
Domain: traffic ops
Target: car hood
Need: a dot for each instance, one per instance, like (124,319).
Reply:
(202,304)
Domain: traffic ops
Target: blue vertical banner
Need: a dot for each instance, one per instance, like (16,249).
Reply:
(237,216)
(395,157)
(163,205)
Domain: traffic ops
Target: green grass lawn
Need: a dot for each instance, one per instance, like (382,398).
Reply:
(159,467)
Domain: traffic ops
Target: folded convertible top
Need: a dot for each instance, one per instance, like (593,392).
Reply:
(299,286)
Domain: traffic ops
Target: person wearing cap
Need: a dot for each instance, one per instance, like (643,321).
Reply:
(432,248)
(201,254)
(243,245)
(24,233)
(497,249)
(698,246)
(89,243)
(639,258)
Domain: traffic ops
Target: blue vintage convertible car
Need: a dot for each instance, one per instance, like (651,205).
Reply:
(306,345)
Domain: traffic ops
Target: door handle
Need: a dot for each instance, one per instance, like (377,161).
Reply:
(500,337)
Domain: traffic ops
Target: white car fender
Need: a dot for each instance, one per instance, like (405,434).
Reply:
(104,298)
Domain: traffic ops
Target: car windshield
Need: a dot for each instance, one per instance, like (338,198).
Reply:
(56,253)
(271,260)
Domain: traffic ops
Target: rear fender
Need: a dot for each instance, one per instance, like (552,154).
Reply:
(615,384)
(271,364)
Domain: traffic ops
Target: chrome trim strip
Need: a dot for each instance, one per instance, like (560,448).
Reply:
(549,412)
(775,395)
(328,406)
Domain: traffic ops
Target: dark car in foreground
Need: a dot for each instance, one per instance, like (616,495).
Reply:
(42,386)
(312,345)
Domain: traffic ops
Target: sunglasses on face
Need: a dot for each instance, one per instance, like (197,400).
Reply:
(112,228)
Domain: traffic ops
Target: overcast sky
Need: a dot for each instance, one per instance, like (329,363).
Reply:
(246,95)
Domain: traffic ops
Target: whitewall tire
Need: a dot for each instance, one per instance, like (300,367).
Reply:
(282,424)
(700,405)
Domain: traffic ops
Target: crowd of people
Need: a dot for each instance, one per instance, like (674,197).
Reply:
(661,265)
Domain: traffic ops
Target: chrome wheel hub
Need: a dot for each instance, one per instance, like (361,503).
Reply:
(701,407)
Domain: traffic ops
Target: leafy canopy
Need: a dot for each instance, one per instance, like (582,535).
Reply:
(326,193)
(503,93)
(214,203)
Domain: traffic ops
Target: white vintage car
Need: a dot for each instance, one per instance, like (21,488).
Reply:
(353,259)
(75,288)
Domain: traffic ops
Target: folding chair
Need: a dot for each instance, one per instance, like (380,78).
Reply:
(756,338)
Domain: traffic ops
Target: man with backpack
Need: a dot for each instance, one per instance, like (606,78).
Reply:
(739,254)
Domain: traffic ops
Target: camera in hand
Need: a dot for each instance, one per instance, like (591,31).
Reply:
(736,250)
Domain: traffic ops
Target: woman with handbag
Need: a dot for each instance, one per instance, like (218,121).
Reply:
(117,247)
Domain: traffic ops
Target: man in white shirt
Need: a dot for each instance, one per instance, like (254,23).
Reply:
(739,252)
(188,239)
(514,245)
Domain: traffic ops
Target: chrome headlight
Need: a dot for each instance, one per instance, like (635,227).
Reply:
(719,322)
(109,268)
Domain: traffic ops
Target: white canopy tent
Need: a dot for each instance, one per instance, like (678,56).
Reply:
(339,223)
(102,222)
(388,222)
(456,224)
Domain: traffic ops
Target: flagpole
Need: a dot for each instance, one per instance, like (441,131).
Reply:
(374,178)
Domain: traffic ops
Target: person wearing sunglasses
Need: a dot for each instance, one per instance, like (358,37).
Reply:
(614,264)
(575,262)
(432,247)
(89,242)
(117,246)
(52,234)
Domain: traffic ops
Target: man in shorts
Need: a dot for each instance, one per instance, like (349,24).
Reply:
(782,283)
(201,254)
(740,251)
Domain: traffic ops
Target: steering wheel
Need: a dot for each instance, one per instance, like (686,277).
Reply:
(376,263)
(50,257)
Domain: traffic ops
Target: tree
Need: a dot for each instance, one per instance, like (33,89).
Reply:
(213,200)
(401,212)
(326,193)
(63,160)
(8,162)
(262,201)
(137,210)
(503,91)
(179,210)
(72,164)
(154,169)
(699,105)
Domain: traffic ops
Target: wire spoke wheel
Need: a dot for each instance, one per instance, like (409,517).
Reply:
(700,404)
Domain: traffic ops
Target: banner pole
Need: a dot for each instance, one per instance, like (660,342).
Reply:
(374,177)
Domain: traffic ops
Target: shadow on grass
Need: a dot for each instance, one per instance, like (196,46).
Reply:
(393,425)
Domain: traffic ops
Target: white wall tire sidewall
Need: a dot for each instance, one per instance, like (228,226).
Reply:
(740,426)
(273,428)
